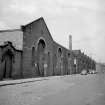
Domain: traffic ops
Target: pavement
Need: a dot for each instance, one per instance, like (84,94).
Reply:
(55,90)
(20,81)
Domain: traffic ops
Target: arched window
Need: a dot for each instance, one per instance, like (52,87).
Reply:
(59,52)
(33,55)
(41,46)
(68,55)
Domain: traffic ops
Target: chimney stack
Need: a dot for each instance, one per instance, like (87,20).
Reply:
(70,42)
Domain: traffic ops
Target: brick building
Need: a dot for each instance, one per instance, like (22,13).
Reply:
(32,52)
(82,61)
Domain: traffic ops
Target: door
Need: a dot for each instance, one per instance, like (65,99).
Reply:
(7,66)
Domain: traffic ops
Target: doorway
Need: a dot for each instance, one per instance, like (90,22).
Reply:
(41,57)
(7,61)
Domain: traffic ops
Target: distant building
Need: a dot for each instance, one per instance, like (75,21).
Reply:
(100,67)
(32,52)
(82,61)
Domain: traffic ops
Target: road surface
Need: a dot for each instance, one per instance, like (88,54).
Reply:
(61,90)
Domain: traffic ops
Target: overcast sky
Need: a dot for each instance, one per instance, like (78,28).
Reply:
(83,19)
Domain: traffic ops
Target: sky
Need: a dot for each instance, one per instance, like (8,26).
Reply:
(83,19)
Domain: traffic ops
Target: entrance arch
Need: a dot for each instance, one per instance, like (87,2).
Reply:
(7,59)
(41,57)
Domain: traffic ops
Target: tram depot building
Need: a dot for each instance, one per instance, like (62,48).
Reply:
(31,52)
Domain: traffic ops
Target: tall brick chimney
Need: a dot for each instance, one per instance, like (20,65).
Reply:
(70,42)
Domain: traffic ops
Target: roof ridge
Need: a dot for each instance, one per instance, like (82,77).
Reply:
(10,30)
